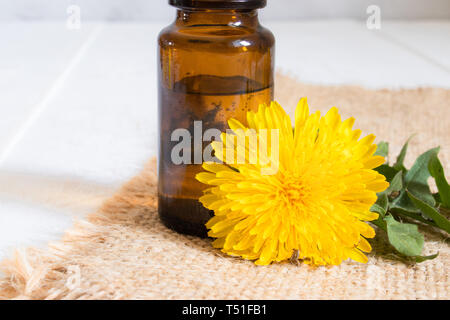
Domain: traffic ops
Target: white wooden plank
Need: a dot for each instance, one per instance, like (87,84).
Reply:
(32,56)
(28,225)
(37,208)
(102,125)
(93,135)
(428,39)
(346,52)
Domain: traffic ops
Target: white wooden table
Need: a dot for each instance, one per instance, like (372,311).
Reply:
(78,108)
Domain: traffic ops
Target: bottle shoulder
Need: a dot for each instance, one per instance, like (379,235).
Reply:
(267,35)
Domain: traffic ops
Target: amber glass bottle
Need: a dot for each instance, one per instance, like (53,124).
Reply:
(215,62)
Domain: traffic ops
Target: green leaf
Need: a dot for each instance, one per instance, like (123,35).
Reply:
(419,259)
(401,157)
(378,209)
(416,181)
(437,197)
(416,215)
(382,149)
(396,185)
(419,173)
(380,223)
(437,172)
(404,237)
(381,206)
(431,213)
(422,191)
(387,171)
(404,203)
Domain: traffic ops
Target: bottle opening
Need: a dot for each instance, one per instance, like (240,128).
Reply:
(219,4)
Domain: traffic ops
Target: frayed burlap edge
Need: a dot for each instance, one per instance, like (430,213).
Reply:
(48,274)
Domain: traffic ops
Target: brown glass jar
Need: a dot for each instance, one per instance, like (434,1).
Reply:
(216,62)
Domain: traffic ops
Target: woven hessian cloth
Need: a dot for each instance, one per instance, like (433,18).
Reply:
(122,251)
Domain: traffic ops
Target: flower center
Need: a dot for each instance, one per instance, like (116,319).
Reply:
(293,190)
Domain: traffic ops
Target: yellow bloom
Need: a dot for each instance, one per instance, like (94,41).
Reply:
(316,201)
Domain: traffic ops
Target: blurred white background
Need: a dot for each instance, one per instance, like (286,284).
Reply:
(78,105)
(114,10)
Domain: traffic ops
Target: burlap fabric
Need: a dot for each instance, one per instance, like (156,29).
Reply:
(122,251)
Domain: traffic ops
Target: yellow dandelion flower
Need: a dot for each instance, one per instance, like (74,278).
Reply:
(315,202)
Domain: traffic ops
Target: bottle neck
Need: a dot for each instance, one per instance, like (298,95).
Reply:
(223,17)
